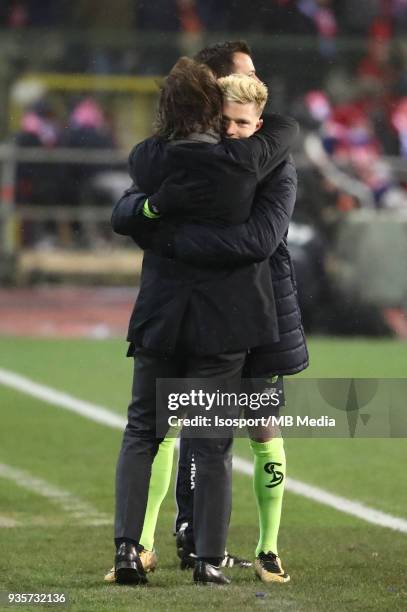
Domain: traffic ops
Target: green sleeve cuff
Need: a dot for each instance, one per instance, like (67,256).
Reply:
(147,212)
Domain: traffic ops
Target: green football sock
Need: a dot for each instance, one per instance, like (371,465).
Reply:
(268,483)
(159,484)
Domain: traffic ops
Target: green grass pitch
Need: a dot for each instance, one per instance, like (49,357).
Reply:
(336,561)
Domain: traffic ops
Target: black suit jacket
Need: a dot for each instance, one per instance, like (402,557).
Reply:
(199,309)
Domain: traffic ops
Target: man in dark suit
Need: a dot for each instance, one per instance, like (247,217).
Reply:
(263,236)
(175,333)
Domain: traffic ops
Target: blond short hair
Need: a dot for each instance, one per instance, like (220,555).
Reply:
(244,89)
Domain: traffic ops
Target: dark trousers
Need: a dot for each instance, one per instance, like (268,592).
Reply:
(213,456)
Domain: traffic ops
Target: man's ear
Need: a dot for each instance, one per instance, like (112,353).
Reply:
(258,124)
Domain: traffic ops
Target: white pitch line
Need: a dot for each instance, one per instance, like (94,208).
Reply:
(376,517)
(6,521)
(106,417)
(61,400)
(80,510)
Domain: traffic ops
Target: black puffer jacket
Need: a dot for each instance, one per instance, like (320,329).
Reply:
(289,355)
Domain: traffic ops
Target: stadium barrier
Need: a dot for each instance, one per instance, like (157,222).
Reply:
(19,262)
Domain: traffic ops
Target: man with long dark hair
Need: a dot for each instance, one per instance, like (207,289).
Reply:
(263,236)
(173,328)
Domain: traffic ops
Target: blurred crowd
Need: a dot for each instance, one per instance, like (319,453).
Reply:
(361,124)
(325,17)
(356,103)
(85,126)
(370,124)
(182,27)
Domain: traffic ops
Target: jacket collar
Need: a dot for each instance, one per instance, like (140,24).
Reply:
(209,137)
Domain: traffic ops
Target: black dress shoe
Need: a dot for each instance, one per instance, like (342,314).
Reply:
(128,566)
(205,573)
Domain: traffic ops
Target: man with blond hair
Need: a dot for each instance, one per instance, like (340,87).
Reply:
(244,100)
(243,93)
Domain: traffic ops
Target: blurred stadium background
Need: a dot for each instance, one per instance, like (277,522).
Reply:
(78,87)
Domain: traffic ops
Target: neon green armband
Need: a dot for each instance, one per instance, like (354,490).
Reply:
(147,212)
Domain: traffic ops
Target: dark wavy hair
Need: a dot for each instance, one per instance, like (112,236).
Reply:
(219,57)
(190,101)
